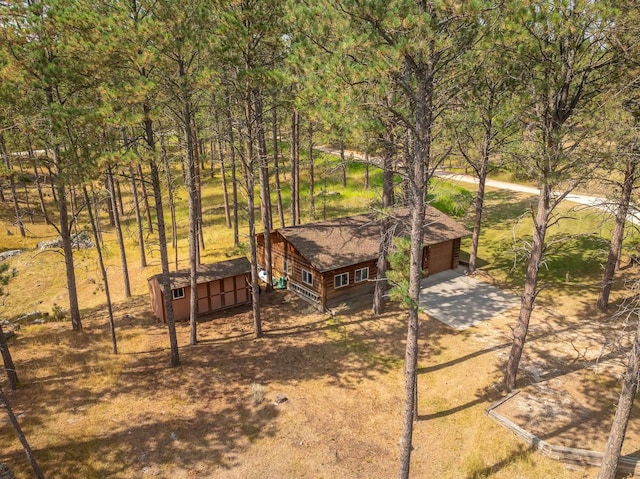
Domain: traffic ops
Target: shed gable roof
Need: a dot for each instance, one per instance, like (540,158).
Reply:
(343,242)
(208,272)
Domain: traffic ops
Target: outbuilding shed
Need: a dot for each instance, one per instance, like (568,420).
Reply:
(220,285)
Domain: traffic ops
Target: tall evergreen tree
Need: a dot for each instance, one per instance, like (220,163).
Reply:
(567,63)
(412,48)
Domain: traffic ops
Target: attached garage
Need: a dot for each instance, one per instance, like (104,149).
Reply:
(440,258)
(220,286)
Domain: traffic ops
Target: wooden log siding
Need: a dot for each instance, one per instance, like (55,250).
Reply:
(445,248)
(456,253)
(335,296)
(283,251)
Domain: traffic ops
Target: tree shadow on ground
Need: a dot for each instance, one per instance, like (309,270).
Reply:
(521,453)
(152,444)
(207,401)
(569,381)
(503,206)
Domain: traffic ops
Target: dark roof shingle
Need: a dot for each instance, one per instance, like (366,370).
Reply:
(208,272)
(343,242)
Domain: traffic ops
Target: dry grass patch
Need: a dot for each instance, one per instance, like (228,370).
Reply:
(90,414)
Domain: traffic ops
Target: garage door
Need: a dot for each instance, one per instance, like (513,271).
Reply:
(440,257)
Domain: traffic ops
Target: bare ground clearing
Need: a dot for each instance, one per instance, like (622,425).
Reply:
(92,415)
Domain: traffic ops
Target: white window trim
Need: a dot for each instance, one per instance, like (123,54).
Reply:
(287,266)
(308,273)
(341,285)
(361,278)
(177,293)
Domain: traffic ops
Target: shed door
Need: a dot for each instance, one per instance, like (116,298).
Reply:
(229,291)
(440,257)
(203,298)
(216,296)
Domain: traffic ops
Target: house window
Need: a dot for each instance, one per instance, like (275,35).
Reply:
(177,293)
(362,274)
(307,277)
(287,266)
(340,280)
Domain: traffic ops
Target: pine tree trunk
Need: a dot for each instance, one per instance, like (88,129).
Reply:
(623,412)
(136,208)
(343,164)
(312,200)
(172,205)
(387,170)
(200,245)
(386,242)
(34,162)
(419,160)
(103,271)
(265,191)
(23,440)
(223,175)
(9,366)
(12,184)
(74,213)
(118,191)
(295,168)
(118,229)
(112,221)
(145,199)
(482,179)
(67,249)
(247,167)
(530,289)
(617,236)
(96,215)
(191,169)
(213,150)
(477,224)
(234,179)
(162,239)
(225,191)
(276,162)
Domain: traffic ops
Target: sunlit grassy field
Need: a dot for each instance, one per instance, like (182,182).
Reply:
(578,243)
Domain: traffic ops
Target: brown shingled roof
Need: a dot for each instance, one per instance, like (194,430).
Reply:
(208,272)
(342,242)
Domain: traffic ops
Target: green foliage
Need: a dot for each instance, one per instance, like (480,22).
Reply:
(241,249)
(451,199)
(577,249)
(398,274)
(59,313)
(6,275)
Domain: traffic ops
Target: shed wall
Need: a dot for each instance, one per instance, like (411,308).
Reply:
(155,298)
(212,296)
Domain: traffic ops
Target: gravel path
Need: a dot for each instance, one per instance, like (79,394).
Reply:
(586,200)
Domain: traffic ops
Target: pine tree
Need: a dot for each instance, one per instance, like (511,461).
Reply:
(563,51)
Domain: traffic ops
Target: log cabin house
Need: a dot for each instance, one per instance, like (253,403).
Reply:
(330,262)
(221,285)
